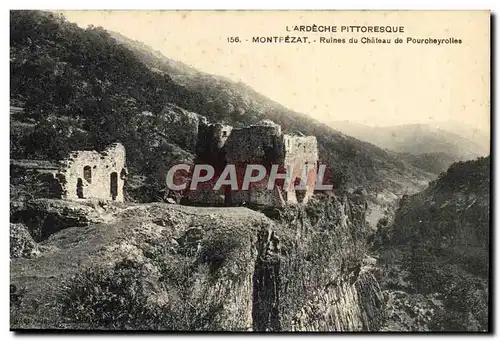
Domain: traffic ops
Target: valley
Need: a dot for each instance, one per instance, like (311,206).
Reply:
(400,243)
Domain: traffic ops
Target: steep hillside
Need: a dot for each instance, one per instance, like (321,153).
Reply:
(220,99)
(81,88)
(435,163)
(416,139)
(454,210)
(438,248)
(78,88)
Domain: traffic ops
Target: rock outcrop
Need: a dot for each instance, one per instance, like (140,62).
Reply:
(92,174)
(172,267)
(44,217)
(21,242)
(177,125)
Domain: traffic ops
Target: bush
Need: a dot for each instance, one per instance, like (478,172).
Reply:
(162,292)
(115,297)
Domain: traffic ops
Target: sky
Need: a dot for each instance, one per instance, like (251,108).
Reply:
(373,84)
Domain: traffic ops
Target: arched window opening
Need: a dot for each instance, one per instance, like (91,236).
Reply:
(114,185)
(87,174)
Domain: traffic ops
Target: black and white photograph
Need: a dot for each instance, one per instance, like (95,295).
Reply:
(250,171)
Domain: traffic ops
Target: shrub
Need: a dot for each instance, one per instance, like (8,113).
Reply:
(162,292)
(113,297)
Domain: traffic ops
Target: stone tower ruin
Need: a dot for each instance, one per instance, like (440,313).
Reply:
(265,144)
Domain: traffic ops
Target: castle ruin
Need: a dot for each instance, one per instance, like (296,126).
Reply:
(265,144)
(85,174)
(92,174)
(89,174)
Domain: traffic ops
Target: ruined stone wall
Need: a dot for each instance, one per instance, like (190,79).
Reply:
(204,142)
(263,144)
(260,144)
(301,150)
(90,174)
(257,144)
(205,197)
(211,141)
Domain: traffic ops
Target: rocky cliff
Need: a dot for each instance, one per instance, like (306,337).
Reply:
(170,267)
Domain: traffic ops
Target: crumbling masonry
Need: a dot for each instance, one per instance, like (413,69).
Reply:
(85,174)
(92,174)
(264,144)
(101,175)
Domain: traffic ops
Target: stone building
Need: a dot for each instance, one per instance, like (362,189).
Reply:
(265,144)
(92,174)
(34,178)
(83,174)
(301,151)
